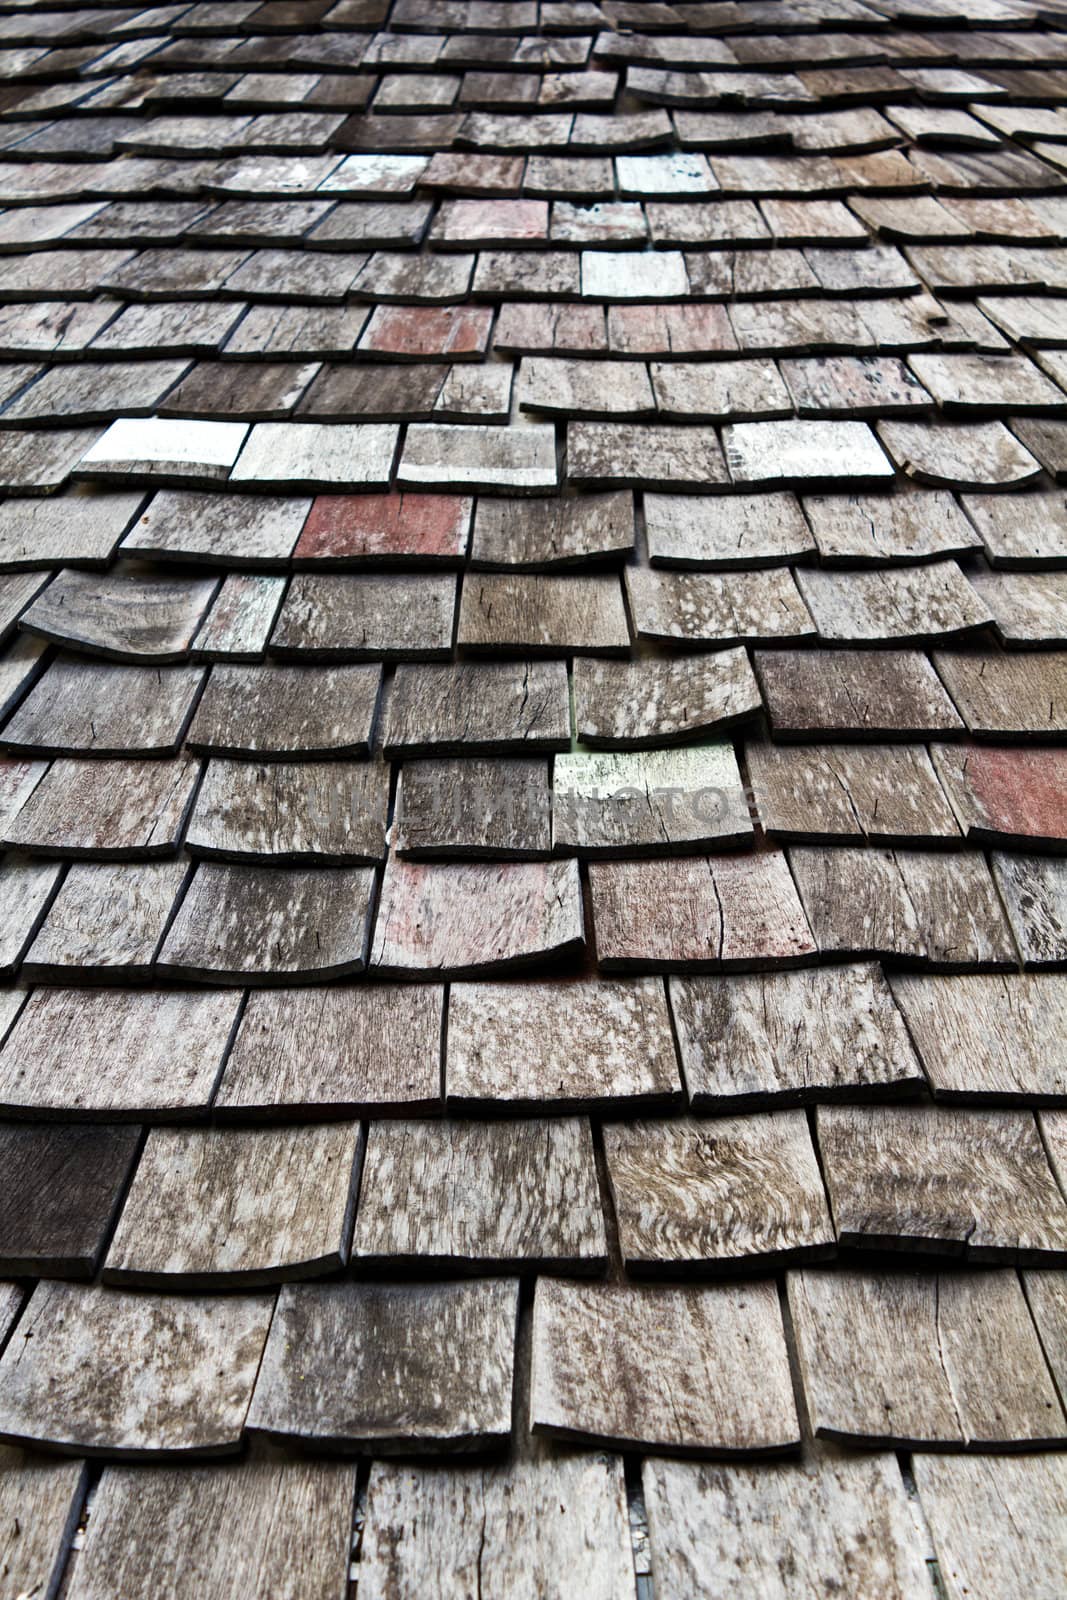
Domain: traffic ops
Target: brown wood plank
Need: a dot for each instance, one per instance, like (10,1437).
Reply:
(1001,695)
(950,1180)
(277,712)
(392,1368)
(477,707)
(344,617)
(480,1196)
(788,1038)
(662,700)
(560,1046)
(342,1050)
(285,1526)
(498,808)
(886,794)
(699,1195)
(542,615)
(106,810)
(923,1358)
(730,912)
(457,918)
(831,1523)
(854,694)
(107,921)
(95,1371)
(59,1191)
(997,1523)
(219,529)
(211,1208)
(997,1039)
(293,813)
(539,535)
(689,1371)
(113,1055)
(1034,891)
(95,708)
(243,924)
(938,910)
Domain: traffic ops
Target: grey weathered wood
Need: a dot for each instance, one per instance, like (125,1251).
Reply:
(736,530)
(39,461)
(998,694)
(305,456)
(522,1530)
(18,779)
(687,1371)
(489,459)
(242,924)
(284,1525)
(26,891)
(506,707)
(892,605)
(954,455)
(938,910)
(1006,796)
(957,1181)
(120,616)
(220,529)
(106,810)
(1030,608)
(649,802)
(1034,891)
(562,1046)
(497,807)
(1046,1295)
(372,1048)
(281,712)
(241,618)
(825,793)
(40,1503)
(787,1038)
(345,617)
(112,1055)
(530,612)
(922,1358)
(698,1195)
(107,921)
(862,529)
(820,454)
(79,529)
(854,386)
(21,664)
(294,812)
(732,911)
(542,534)
(662,700)
(554,387)
(993,1039)
(854,694)
(973,383)
(215,1207)
(735,390)
(99,1372)
(830,1523)
(718,608)
(1021,530)
(17,591)
(480,1196)
(60,1192)
(94,708)
(457,918)
(393,1369)
(997,1523)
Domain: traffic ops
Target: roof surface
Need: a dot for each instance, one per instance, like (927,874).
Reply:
(533,695)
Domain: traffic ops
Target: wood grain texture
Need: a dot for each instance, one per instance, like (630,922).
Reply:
(497,808)
(867,529)
(242,924)
(539,535)
(727,531)
(107,921)
(993,1039)
(337,1051)
(699,1195)
(293,713)
(343,617)
(293,813)
(998,694)
(59,1191)
(92,708)
(1034,891)
(1004,796)
(542,615)
(121,617)
(391,1368)
(789,1038)
(733,911)
(886,794)
(523,1530)
(452,919)
(26,890)
(106,810)
(831,1523)
(717,608)
(1046,1295)
(21,663)
(669,1370)
(940,911)
(560,1046)
(654,802)
(471,707)
(211,1208)
(40,1503)
(98,1372)
(115,1055)
(1030,608)
(277,1527)
(997,1523)
(241,618)
(892,605)
(662,700)
(854,694)
(221,529)
(922,1359)
(480,1196)
(951,1180)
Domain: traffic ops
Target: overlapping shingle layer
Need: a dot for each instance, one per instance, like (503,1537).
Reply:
(533,906)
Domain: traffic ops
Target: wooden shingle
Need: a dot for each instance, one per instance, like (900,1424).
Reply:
(884,794)
(762,607)
(278,712)
(61,1188)
(335,617)
(499,808)
(1034,891)
(543,534)
(993,1040)
(995,1522)
(93,708)
(472,707)
(886,529)
(542,615)
(106,810)
(121,617)
(854,694)
(1001,695)
(299,813)
(26,891)
(662,700)
(107,921)
(653,802)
